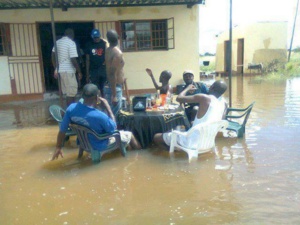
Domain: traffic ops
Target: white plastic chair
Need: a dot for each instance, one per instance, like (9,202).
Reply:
(199,139)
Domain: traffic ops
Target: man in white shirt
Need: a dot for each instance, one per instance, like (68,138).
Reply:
(67,65)
(212,108)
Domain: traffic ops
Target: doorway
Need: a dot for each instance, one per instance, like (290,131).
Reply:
(82,31)
(227,56)
(240,56)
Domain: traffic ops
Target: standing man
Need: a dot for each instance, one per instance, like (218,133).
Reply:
(67,65)
(95,60)
(114,71)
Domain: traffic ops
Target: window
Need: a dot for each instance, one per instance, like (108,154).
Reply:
(5,48)
(144,35)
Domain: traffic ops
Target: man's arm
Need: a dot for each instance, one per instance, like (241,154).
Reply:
(87,67)
(63,127)
(53,59)
(183,98)
(59,142)
(149,71)
(75,64)
(104,105)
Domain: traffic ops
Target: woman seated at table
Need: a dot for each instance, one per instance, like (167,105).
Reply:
(164,78)
(211,108)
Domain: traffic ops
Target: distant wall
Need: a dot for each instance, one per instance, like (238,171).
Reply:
(263,43)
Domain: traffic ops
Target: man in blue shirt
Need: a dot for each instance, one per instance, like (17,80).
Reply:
(88,115)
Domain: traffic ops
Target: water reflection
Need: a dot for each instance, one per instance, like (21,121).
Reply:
(253,180)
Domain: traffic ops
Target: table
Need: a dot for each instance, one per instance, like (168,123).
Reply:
(144,125)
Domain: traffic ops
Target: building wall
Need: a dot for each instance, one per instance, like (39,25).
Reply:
(184,56)
(263,43)
(5,88)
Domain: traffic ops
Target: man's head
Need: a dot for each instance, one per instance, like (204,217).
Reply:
(165,76)
(112,37)
(90,93)
(188,77)
(218,88)
(95,34)
(69,33)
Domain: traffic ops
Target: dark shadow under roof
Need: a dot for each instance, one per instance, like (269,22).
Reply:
(32,4)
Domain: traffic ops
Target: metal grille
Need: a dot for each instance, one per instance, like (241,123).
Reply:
(24,64)
(144,35)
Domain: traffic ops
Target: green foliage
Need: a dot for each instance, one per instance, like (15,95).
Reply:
(210,68)
(289,70)
(212,65)
(297,49)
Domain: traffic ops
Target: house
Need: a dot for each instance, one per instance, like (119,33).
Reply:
(255,48)
(153,34)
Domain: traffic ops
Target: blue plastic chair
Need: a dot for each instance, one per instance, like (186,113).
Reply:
(242,114)
(83,134)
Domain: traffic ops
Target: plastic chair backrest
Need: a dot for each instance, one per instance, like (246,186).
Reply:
(84,133)
(57,112)
(244,113)
(207,133)
(202,134)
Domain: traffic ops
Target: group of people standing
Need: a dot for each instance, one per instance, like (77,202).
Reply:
(102,95)
(104,66)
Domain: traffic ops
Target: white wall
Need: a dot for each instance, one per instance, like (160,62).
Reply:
(186,28)
(5,87)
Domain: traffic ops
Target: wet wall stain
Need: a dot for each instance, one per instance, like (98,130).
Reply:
(125,11)
(267,42)
(268,55)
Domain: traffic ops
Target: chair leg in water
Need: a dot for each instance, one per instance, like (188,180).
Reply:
(193,155)
(80,153)
(123,150)
(96,156)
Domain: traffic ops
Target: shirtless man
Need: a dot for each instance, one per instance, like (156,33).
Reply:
(211,108)
(114,72)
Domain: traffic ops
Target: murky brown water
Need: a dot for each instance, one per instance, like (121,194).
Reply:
(255,180)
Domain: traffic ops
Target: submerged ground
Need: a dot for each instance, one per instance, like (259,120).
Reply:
(253,180)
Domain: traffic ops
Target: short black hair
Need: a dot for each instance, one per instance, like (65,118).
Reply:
(166,74)
(69,32)
(218,88)
(112,37)
(89,90)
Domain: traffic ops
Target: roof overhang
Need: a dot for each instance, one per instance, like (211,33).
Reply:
(63,4)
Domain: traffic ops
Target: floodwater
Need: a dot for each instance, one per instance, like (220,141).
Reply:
(253,180)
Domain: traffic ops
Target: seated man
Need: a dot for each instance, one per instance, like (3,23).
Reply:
(86,114)
(164,78)
(211,108)
(191,108)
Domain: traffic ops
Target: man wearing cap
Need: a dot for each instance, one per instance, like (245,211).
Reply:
(95,60)
(200,88)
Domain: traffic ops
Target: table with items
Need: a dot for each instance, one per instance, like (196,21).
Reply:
(144,125)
